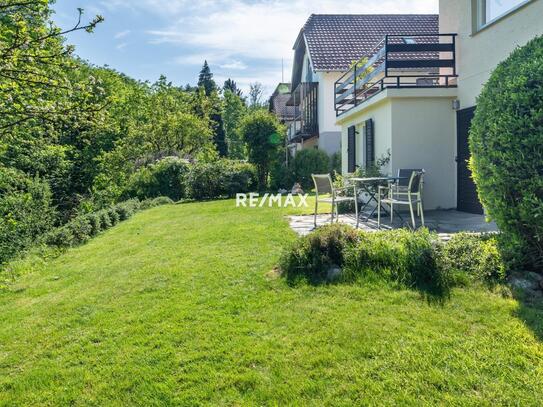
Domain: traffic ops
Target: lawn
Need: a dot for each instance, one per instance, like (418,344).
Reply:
(177,306)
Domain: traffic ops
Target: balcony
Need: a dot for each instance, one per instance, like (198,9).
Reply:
(399,61)
(306,122)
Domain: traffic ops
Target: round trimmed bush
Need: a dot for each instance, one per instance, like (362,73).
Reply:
(506,142)
(307,162)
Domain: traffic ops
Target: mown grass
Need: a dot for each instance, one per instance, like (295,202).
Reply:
(177,306)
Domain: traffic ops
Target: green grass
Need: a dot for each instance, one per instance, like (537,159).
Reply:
(177,306)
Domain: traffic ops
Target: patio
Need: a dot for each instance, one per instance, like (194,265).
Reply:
(444,222)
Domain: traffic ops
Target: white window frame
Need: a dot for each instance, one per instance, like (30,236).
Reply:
(479,9)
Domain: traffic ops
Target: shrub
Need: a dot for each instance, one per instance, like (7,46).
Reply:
(95,223)
(477,257)
(307,162)
(222,178)
(60,237)
(399,256)
(311,256)
(81,229)
(164,178)
(113,216)
(281,177)
(26,212)
(335,163)
(161,200)
(105,221)
(507,159)
(127,208)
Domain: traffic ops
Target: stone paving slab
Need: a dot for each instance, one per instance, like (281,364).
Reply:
(444,223)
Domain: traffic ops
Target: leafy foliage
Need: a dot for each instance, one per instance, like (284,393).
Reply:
(309,161)
(164,178)
(506,140)
(311,256)
(407,259)
(234,112)
(262,133)
(401,257)
(475,257)
(222,178)
(26,212)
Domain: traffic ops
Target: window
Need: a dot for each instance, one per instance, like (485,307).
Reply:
(489,11)
(409,40)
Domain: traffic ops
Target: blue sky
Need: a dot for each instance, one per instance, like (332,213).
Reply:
(241,39)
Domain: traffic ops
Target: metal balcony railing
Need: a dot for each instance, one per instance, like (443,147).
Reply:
(399,61)
(306,123)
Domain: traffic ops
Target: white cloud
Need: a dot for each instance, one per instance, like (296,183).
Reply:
(121,46)
(262,29)
(122,34)
(234,65)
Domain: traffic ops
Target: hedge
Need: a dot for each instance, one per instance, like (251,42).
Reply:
(506,140)
(26,212)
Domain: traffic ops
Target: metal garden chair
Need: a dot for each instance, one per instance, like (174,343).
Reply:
(409,195)
(327,193)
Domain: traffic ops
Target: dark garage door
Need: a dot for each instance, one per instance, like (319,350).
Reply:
(467,199)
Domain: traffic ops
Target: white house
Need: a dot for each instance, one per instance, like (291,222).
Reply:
(325,48)
(416,95)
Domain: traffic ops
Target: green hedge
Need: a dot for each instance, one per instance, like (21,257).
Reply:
(506,140)
(222,178)
(307,162)
(82,228)
(26,212)
(164,178)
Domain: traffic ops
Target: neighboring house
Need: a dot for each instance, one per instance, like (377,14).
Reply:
(416,94)
(278,104)
(325,48)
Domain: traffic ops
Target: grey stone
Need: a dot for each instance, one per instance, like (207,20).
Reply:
(445,222)
(333,273)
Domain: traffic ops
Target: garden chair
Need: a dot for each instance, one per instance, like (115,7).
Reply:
(327,193)
(398,195)
(404,175)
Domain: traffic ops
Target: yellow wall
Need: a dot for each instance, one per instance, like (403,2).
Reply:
(480,52)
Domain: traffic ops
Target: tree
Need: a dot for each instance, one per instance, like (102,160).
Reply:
(261,132)
(205,79)
(255,95)
(233,113)
(219,135)
(230,85)
(34,66)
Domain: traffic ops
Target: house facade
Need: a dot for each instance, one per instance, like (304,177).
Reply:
(325,48)
(415,95)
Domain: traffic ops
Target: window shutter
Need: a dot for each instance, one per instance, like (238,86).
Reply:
(370,143)
(351,149)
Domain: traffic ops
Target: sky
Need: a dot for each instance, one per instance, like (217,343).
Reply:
(245,40)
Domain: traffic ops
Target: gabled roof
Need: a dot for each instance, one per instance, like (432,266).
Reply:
(334,41)
(278,103)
